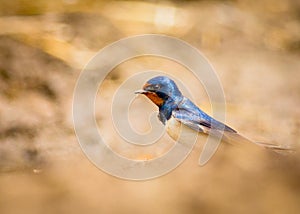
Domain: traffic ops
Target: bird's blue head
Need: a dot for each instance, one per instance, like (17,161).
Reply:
(161,89)
(164,93)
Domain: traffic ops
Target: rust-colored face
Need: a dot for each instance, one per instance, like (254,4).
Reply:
(154,98)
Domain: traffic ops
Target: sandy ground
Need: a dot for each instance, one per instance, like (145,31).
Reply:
(254,48)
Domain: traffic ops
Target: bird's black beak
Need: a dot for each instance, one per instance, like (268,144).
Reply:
(140,91)
(146,89)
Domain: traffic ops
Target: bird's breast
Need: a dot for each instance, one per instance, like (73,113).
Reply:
(180,132)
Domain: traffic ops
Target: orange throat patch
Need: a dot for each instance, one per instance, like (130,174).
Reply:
(154,98)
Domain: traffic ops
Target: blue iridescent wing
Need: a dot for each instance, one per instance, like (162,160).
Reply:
(190,115)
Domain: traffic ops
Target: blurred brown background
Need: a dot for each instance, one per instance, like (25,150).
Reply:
(255,49)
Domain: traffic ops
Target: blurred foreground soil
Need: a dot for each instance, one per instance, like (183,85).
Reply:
(255,50)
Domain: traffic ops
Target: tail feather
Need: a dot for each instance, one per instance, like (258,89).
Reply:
(237,139)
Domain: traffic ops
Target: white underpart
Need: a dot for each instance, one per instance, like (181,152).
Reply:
(180,132)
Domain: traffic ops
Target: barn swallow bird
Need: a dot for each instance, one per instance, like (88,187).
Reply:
(176,110)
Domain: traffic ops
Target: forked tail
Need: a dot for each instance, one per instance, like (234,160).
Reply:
(237,139)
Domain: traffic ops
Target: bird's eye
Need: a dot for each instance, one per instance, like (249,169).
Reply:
(156,86)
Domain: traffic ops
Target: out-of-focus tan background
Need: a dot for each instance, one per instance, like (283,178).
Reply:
(255,49)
